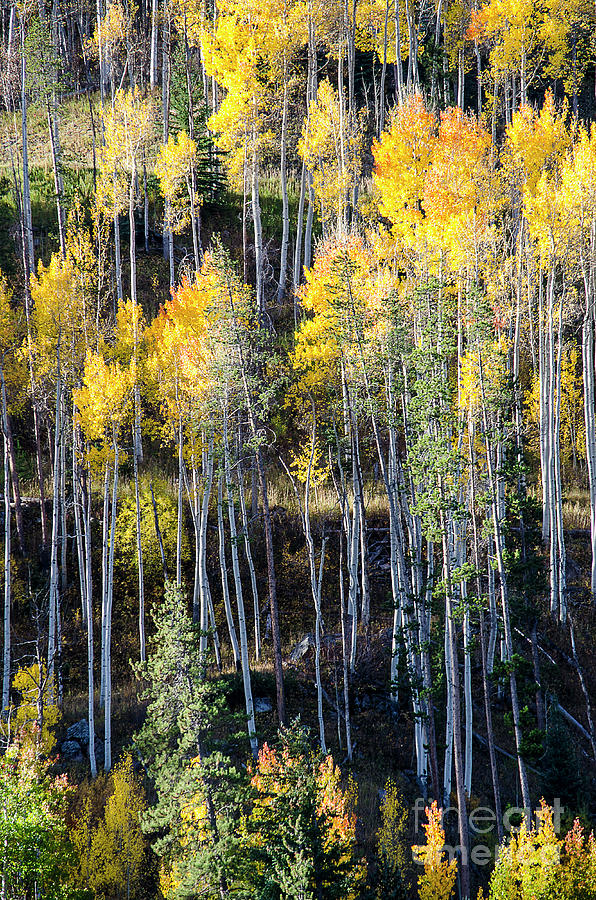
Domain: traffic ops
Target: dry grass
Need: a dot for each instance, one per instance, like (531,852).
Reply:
(576,513)
(323,500)
(76,134)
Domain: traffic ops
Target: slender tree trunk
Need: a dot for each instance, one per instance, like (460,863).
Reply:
(497,535)
(275,629)
(153,45)
(561,556)
(224,574)
(180,510)
(486,685)
(159,537)
(399,72)
(53,649)
(168,234)
(258,231)
(108,648)
(251,566)
(145,208)
(584,688)
(246,679)
(140,566)
(344,650)
(63,523)
(16,486)
(82,504)
(384,71)
(118,259)
(27,217)
(90,654)
(457,742)
(589,380)
(353,566)
(205,593)
(192,184)
(104,575)
(298,244)
(315,583)
(77,508)
(311,93)
(7,570)
(285,237)
(449,725)
(55,148)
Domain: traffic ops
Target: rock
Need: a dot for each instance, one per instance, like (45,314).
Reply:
(99,752)
(79,732)
(302,648)
(573,571)
(263,705)
(71,751)
(329,640)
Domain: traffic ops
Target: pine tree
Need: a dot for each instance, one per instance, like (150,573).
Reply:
(179,745)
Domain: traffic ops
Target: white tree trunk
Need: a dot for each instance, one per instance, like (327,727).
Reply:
(498,538)
(90,654)
(448,761)
(53,612)
(224,574)
(205,593)
(285,238)
(246,679)
(258,231)
(589,379)
(7,572)
(153,56)
(344,650)
(251,566)
(104,578)
(108,648)
(179,520)
(140,567)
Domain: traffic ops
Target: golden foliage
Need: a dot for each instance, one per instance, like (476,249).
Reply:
(331,147)
(391,834)
(32,720)
(438,879)
(110,854)
(104,398)
(174,167)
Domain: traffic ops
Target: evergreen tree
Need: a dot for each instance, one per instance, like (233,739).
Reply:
(300,833)
(179,745)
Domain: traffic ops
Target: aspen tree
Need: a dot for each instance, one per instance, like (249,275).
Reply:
(315,579)
(129,330)
(128,130)
(103,402)
(9,330)
(498,543)
(56,346)
(330,150)
(244,333)
(578,190)
(7,548)
(175,168)
(111,854)
(438,880)
(250,713)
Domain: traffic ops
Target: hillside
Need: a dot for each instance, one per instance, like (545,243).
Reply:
(298,408)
